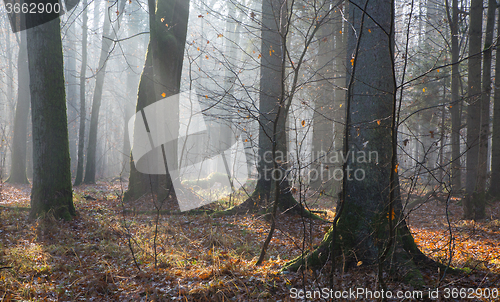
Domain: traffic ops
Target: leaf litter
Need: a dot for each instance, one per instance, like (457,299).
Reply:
(202,257)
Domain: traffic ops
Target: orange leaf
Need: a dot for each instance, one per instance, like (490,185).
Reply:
(392,215)
(205,275)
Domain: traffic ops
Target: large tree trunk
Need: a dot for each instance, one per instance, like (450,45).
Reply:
(370,220)
(83,72)
(18,165)
(139,183)
(472,201)
(51,189)
(495,141)
(90,168)
(161,78)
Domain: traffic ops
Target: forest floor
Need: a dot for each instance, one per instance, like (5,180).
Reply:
(107,253)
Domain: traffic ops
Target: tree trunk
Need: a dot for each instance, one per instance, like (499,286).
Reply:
(90,168)
(495,148)
(18,165)
(270,100)
(322,134)
(482,173)
(83,114)
(456,103)
(370,220)
(139,183)
(164,69)
(472,201)
(340,34)
(72,94)
(51,191)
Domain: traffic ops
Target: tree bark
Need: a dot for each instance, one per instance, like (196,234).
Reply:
(495,148)
(271,96)
(18,165)
(322,134)
(482,173)
(471,202)
(370,220)
(72,94)
(51,191)
(161,78)
(456,103)
(83,113)
(90,168)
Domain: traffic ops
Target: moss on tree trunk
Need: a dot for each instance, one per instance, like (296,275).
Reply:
(370,229)
(51,191)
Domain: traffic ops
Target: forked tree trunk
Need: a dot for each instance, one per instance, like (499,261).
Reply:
(51,189)
(163,68)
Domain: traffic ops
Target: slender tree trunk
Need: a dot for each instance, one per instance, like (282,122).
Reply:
(495,148)
(72,94)
(18,155)
(473,110)
(51,189)
(90,169)
(340,34)
(456,103)
(322,136)
(83,113)
(482,173)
